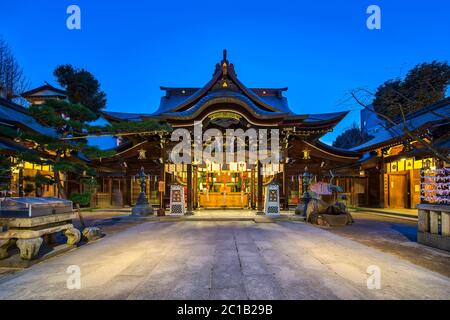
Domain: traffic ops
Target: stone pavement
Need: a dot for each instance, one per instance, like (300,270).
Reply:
(396,236)
(406,213)
(225,260)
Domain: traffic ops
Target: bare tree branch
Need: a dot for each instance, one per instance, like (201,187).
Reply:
(405,128)
(12,79)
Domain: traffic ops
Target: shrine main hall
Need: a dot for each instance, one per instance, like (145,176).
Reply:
(225,103)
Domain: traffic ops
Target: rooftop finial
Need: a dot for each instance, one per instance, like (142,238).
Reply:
(224,54)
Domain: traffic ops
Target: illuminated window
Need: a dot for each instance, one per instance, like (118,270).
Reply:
(417,164)
(28,165)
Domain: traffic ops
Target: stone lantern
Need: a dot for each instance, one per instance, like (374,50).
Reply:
(142,207)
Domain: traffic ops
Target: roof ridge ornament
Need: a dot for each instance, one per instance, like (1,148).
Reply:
(225,56)
(224,63)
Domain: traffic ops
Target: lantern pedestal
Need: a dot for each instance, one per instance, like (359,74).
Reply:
(142,207)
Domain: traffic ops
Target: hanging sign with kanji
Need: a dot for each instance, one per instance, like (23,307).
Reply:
(177,200)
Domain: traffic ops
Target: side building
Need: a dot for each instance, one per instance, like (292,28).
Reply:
(393,159)
(17,174)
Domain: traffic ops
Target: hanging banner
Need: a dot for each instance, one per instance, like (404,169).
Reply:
(161,186)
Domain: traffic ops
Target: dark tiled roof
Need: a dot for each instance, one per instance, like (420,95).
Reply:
(325,116)
(11,146)
(414,121)
(223,94)
(338,151)
(17,115)
(123,116)
(46,86)
(177,96)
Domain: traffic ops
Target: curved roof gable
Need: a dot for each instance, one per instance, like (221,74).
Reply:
(224,81)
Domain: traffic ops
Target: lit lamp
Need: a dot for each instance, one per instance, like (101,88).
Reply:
(20,166)
(306,154)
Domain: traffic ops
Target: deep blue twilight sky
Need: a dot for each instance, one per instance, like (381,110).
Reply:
(319,49)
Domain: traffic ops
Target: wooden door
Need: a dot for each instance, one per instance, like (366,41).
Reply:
(397,191)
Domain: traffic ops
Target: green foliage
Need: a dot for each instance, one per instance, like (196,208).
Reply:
(29,188)
(32,158)
(70,121)
(81,86)
(5,172)
(423,85)
(351,138)
(65,117)
(83,199)
(41,179)
(95,153)
(69,165)
(89,183)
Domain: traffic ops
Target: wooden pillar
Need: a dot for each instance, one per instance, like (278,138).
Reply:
(128,191)
(260,188)
(20,182)
(195,189)
(381,177)
(252,189)
(162,176)
(131,191)
(366,192)
(189,190)
(110,191)
(285,188)
(65,179)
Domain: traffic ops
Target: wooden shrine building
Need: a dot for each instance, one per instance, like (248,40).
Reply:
(223,103)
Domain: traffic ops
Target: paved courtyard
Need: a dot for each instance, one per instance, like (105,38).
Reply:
(226,260)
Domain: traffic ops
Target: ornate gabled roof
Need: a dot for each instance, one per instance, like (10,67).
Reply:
(45,91)
(224,81)
(179,106)
(223,96)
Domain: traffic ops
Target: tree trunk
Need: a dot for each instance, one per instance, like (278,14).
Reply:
(80,216)
(59,186)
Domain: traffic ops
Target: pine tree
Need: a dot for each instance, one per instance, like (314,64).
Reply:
(423,85)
